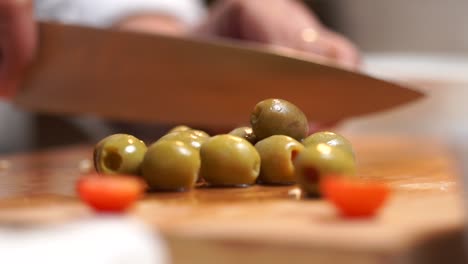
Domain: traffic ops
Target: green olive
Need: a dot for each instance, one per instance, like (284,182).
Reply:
(277,154)
(194,138)
(119,154)
(316,161)
(245,133)
(278,117)
(228,160)
(179,128)
(200,133)
(171,166)
(331,139)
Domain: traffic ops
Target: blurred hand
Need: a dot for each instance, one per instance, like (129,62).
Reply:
(153,23)
(17,42)
(285,23)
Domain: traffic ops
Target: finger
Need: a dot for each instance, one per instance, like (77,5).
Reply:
(342,51)
(17,42)
(222,20)
(242,20)
(152,23)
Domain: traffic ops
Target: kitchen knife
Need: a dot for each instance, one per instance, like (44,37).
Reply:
(140,77)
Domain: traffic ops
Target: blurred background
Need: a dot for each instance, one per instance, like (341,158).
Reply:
(398,25)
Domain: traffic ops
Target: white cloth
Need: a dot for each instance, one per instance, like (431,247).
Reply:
(103,13)
(101,240)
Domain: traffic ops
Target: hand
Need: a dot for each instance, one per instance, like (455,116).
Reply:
(154,23)
(285,23)
(17,42)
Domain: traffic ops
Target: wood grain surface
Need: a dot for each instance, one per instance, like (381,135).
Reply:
(422,222)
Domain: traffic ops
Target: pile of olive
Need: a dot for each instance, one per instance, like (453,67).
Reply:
(274,150)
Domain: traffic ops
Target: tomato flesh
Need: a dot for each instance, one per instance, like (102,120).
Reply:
(354,198)
(110,193)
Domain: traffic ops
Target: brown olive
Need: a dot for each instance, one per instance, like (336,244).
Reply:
(277,154)
(228,160)
(245,133)
(278,117)
(330,138)
(119,154)
(316,161)
(171,166)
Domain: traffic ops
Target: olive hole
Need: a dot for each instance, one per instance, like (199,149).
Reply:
(311,175)
(112,159)
(294,154)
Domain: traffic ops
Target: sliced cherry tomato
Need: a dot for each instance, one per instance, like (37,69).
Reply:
(110,193)
(354,198)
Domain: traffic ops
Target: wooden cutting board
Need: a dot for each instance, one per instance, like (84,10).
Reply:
(421,223)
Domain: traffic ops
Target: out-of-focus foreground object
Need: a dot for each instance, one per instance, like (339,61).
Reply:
(99,240)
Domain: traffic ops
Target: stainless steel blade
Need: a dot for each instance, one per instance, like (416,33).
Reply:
(156,78)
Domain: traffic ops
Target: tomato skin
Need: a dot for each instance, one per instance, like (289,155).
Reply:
(354,198)
(110,193)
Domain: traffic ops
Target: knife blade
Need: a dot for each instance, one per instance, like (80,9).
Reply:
(139,77)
